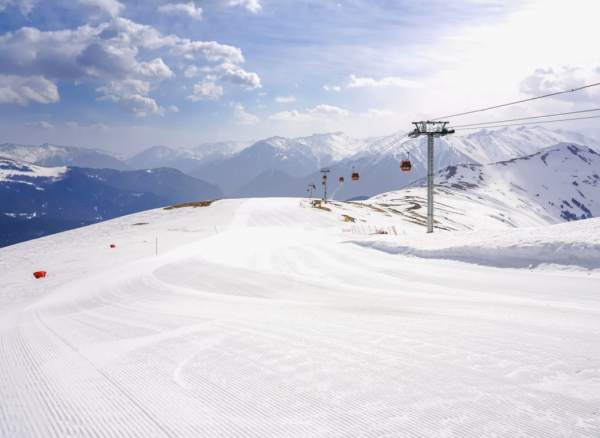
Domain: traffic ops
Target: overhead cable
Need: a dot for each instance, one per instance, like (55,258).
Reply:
(527,118)
(529,123)
(518,101)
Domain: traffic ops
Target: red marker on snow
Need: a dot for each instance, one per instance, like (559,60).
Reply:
(39,274)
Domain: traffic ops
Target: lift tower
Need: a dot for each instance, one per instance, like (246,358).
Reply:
(431,130)
(325,171)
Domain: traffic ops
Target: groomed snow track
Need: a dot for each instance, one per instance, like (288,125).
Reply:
(280,326)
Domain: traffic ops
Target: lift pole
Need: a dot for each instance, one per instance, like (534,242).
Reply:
(310,186)
(430,183)
(325,171)
(431,130)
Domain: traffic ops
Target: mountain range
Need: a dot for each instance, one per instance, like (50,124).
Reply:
(247,169)
(556,184)
(87,186)
(36,201)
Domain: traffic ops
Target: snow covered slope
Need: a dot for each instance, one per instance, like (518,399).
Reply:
(26,173)
(56,156)
(261,318)
(36,201)
(557,184)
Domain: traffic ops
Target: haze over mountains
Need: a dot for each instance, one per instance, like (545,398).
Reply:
(245,169)
(282,167)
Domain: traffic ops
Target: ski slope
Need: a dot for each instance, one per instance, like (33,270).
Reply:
(260,318)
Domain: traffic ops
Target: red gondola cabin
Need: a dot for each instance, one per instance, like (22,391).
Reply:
(405,166)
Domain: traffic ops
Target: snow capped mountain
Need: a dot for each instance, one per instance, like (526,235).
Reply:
(55,156)
(556,184)
(489,146)
(379,165)
(334,146)
(186,160)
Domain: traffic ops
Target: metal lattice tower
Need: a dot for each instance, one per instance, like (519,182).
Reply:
(325,171)
(431,130)
(310,186)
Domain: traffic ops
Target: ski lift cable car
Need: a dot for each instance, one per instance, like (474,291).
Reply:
(354,175)
(342,179)
(406,166)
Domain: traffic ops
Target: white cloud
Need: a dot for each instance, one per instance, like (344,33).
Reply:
(207,89)
(241,77)
(182,9)
(385,82)
(320,111)
(290,116)
(193,70)
(139,105)
(243,117)
(25,6)
(379,113)
(173,108)
(212,51)
(280,99)
(547,81)
(39,125)
(15,89)
(262,94)
(97,127)
(125,87)
(328,110)
(111,7)
(252,5)
(331,88)
(262,106)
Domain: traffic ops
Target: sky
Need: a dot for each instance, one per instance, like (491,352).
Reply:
(126,76)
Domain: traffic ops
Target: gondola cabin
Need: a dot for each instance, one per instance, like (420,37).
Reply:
(323,183)
(354,176)
(324,177)
(341,179)
(405,166)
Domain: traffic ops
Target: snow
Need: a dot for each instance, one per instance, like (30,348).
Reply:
(15,171)
(261,318)
(553,185)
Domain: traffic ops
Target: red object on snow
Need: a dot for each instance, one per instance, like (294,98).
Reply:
(39,274)
(112,246)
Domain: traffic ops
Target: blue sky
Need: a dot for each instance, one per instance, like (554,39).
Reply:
(125,76)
